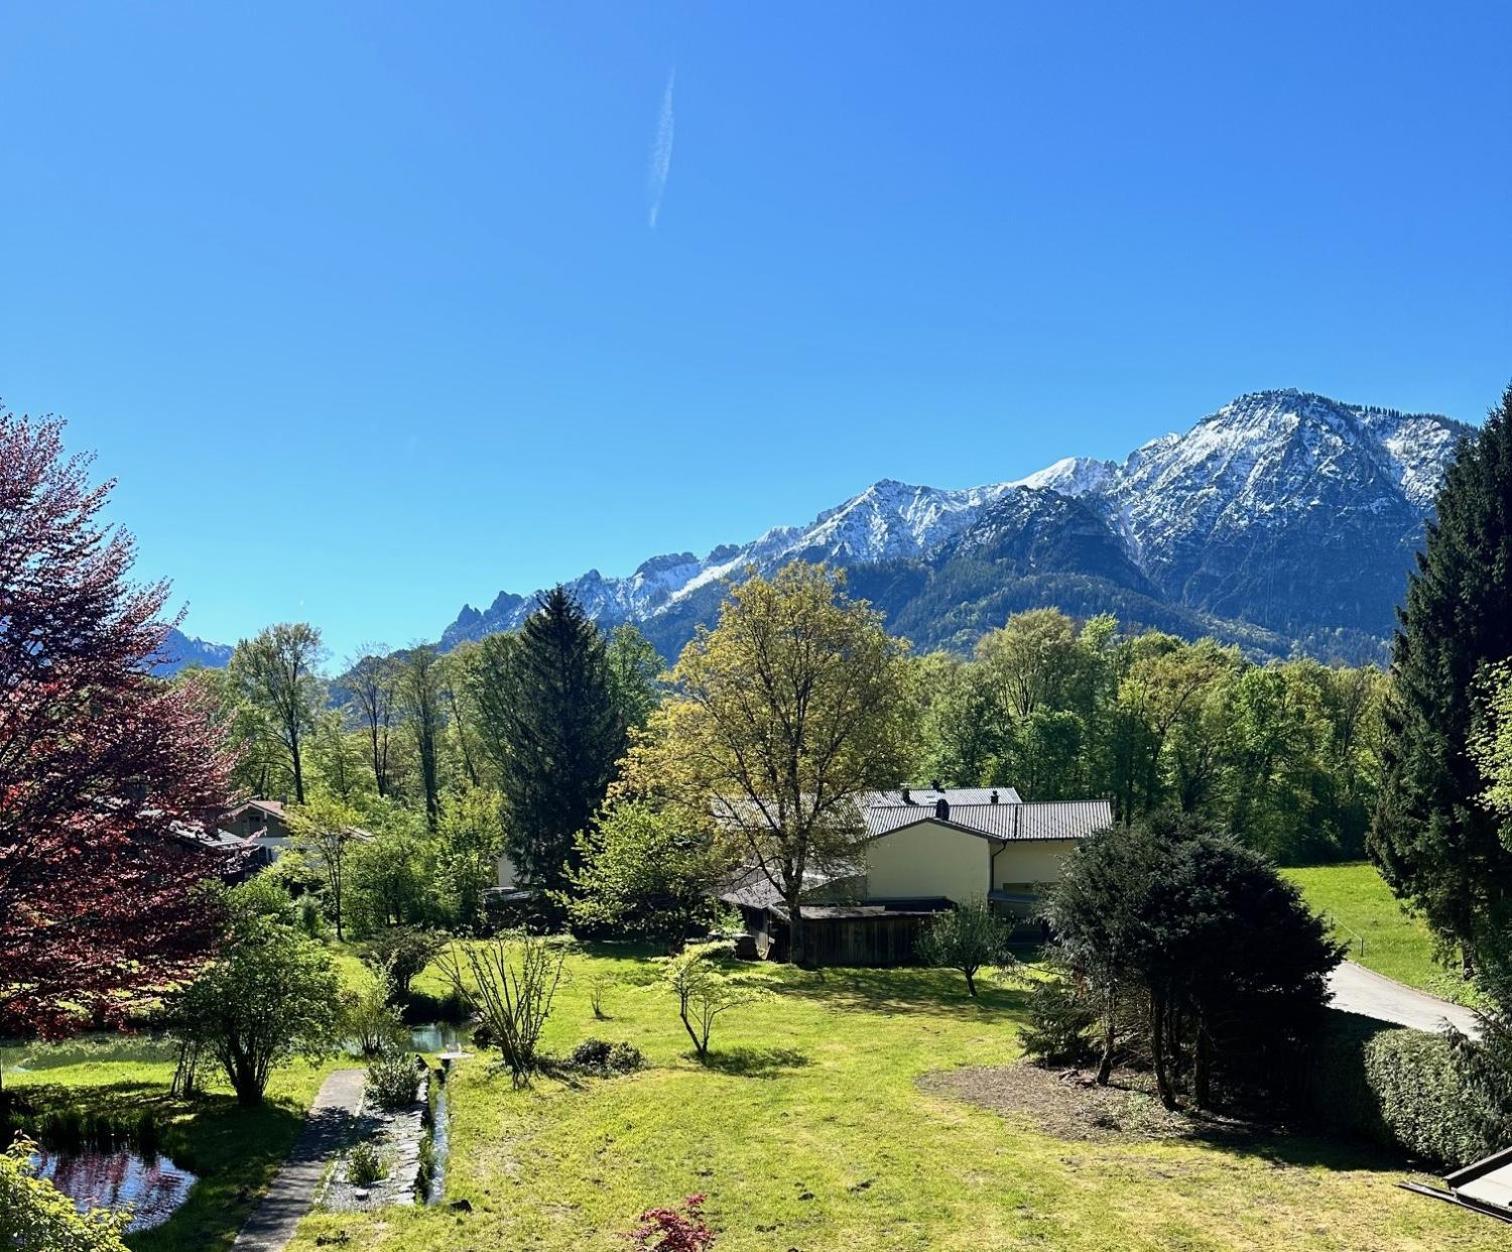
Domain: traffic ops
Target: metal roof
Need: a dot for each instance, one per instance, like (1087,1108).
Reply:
(1046,819)
(919,797)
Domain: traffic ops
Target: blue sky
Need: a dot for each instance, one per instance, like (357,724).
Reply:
(376,309)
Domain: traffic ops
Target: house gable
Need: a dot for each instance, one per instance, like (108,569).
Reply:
(928,858)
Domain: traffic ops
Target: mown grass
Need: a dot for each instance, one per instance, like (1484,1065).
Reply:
(235,1151)
(1381,935)
(810,1131)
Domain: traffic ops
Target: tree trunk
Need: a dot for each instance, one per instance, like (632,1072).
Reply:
(970,982)
(1202,1067)
(1110,1040)
(1158,1051)
(298,772)
(795,932)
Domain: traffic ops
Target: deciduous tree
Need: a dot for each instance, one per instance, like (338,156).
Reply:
(276,672)
(795,704)
(107,775)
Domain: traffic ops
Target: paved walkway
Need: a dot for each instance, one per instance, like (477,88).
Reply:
(271,1224)
(1363,991)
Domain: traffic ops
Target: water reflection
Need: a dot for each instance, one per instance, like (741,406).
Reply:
(435,1037)
(151,1186)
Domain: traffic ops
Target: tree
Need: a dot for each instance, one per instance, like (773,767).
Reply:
(373,680)
(644,874)
(635,669)
(270,993)
(1229,965)
(420,685)
(970,938)
(554,733)
(323,831)
(36,1217)
(105,773)
(1438,846)
(705,991)
(276,672)
(387,883)
(795,704)
(467,855)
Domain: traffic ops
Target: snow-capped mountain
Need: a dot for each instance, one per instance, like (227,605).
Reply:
(1283,519)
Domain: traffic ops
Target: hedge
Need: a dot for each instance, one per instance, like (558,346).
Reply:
(1408,1089)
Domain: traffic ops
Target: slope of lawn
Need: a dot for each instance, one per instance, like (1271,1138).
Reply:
(1380,934)
(809,1130)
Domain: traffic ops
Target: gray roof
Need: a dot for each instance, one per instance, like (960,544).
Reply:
(1047,819)
(919,797)
(749,887)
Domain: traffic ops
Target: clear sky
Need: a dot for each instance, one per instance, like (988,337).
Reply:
(376,309)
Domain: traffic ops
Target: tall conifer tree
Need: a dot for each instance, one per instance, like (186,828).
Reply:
(1434,838)
(560,737)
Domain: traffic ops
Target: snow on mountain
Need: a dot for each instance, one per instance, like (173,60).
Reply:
(1284,509)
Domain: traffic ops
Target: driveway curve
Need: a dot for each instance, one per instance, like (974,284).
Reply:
(1363,991)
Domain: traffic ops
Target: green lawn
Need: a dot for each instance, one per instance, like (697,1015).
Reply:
(235,1151)
(811,1132)
(1381,936)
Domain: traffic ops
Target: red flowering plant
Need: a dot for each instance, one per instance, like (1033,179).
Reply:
(680,1229)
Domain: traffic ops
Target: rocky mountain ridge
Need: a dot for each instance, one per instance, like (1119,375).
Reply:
(1284,520)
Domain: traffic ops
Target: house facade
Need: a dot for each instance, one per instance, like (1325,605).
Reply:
(923,850)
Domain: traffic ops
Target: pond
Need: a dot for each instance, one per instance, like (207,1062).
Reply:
(150,1185)
(436,1037)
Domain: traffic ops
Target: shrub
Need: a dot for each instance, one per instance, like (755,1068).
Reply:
(1057,1032)
(1423,1093)
(365,1166)
(1428,1101)
(603,1057)
(36,1217)
(969,937)
(399,954)
(509,982)
(682,1229)
(392,1078)
(371,1022)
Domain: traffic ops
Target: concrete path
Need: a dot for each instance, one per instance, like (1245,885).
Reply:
(1363,991)
(271,1224)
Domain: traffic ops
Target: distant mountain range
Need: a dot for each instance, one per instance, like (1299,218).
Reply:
(179,651)
(1284,522)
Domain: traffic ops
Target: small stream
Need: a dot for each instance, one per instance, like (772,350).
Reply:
(440,1145)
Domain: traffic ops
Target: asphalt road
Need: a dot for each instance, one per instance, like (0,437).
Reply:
(1363,991)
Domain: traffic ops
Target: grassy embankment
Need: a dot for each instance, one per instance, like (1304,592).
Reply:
(1380,934)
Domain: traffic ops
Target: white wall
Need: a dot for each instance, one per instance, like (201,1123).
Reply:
(1030,861)
(506,872)
(927,860)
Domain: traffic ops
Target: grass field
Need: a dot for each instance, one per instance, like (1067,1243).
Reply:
(234,1151)
(1381,936)
(810,1131)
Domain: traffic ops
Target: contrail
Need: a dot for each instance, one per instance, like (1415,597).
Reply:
(660,164)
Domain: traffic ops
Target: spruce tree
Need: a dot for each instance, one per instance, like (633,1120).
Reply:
(561,736)
(1434,838)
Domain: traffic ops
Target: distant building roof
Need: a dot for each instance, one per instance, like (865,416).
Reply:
(922,797)
(275,807)
(1045,819)
(750,888)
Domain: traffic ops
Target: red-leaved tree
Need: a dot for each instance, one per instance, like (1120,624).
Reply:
(106,773)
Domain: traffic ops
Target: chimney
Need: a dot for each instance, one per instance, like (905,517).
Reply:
(942,809)
(994,795)
(907,799)
(935,785)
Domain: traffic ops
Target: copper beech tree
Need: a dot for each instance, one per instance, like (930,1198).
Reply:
(106,773)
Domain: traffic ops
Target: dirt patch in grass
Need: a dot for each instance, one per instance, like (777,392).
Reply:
(1068,1104)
